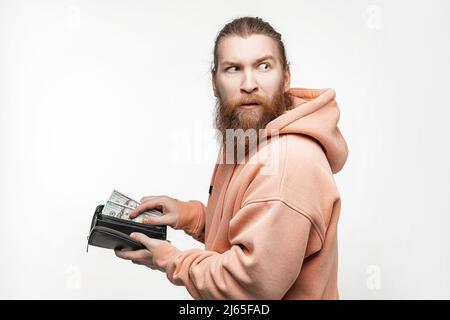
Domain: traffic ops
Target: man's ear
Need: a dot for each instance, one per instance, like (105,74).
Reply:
(287,79)
(214,87)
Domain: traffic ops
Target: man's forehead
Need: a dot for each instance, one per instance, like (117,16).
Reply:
(252,48)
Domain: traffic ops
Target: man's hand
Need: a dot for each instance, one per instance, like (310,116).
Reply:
(166,204)
(143,256)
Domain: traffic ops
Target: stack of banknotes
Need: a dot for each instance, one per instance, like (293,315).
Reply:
(120,206)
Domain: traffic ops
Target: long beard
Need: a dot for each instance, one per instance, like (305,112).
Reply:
(229,119)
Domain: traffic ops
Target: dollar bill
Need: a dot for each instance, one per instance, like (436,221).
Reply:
(121,198)
(120,206)
(116,210)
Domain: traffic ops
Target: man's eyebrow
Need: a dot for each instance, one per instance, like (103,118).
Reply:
(266,57)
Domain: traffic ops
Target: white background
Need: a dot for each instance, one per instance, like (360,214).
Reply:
(96,95)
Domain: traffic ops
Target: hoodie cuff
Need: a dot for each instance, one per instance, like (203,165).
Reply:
(164,255)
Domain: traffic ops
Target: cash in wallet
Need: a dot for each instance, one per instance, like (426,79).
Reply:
(111,224)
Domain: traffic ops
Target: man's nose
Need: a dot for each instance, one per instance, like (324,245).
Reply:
(249,83)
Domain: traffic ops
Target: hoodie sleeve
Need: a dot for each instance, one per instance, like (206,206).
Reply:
(192,219)
(268,244)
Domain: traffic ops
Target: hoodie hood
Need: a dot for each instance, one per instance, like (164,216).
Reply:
(315,113)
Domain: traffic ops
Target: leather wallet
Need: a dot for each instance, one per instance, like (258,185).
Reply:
(114,233)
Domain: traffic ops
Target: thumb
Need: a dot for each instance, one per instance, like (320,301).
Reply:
(142,238)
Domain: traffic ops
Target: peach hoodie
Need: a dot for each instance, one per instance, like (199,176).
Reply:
(270,227)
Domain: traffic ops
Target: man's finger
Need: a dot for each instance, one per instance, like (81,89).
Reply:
(149,243)
(148,205)
(157,221)
(145,199)
(133,255)
(127,255)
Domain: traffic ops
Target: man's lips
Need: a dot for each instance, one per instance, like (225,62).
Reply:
(249,106)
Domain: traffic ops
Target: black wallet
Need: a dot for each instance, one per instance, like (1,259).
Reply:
(114,233)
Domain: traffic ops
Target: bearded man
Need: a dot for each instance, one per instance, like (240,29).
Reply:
(270,224)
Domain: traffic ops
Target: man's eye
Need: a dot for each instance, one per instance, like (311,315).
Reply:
(265,63)
(227,69)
